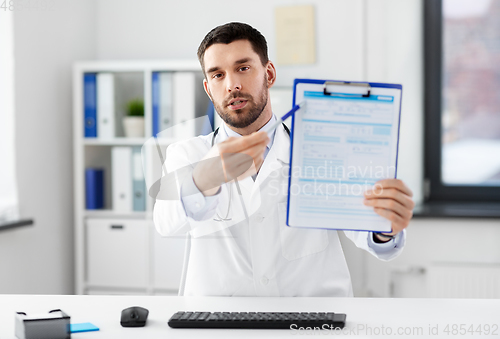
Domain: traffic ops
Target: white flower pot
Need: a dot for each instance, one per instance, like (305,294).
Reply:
(134,127)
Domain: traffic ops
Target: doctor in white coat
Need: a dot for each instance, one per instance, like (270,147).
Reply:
(240,244)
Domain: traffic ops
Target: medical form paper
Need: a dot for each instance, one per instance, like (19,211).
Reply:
(342,144)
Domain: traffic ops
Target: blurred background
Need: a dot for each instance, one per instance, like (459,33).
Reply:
(446,54)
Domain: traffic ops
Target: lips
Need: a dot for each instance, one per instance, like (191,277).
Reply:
(237,103)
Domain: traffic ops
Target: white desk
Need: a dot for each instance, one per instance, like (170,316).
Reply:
(396,314)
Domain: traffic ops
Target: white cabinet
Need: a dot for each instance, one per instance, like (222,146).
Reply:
(117,253)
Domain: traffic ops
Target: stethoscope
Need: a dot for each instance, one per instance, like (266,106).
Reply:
(218,217)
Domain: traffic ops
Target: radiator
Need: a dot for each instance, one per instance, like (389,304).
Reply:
(463,281)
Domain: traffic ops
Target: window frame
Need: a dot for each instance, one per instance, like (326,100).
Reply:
(433,55)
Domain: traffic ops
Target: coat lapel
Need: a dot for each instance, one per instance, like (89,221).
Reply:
(278,156)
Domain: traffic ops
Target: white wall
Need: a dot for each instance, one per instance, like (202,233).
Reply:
(452,241)
(174,29)
(8,188)
(39,259)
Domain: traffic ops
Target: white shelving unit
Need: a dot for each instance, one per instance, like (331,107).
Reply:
(120,252)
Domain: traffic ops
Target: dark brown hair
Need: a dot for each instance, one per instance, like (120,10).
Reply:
(227,33)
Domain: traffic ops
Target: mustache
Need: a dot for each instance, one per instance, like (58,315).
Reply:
(237,95)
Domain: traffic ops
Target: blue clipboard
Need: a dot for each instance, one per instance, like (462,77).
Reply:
(316,89)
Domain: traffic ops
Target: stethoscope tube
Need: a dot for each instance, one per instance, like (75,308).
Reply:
(219,218)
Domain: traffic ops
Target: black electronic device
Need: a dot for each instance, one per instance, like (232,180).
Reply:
(263,320)
(134,317)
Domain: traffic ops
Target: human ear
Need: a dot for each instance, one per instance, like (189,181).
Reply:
(207,90)
(271,74)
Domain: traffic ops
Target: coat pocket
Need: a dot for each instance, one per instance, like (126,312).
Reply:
(299,242)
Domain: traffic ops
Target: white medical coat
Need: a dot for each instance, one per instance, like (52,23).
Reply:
(260,256)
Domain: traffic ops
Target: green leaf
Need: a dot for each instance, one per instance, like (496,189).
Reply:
(135,108)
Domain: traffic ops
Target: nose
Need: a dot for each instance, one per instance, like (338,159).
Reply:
(233,83)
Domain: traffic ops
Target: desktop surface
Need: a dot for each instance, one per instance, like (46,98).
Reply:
(366,317)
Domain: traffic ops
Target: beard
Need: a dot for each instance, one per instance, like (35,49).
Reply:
(239,118)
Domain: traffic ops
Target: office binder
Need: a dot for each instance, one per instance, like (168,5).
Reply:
(346,136)
(106,105)
(163,100)
(155,89)
(138,183)
(90,105)
(166,101)
(208,126)
(184,104)
(121,160)
(94,188)
(217,120)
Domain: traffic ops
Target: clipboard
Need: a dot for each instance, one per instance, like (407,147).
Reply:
(340,135)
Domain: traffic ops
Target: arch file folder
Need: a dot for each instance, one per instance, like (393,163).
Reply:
(344,139)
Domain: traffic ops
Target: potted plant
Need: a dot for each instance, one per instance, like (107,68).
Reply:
(133,123)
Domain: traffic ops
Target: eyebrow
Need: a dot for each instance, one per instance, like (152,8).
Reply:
(243,61)
(237,62)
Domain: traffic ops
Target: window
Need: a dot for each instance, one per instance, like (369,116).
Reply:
(8,189)
(462,100)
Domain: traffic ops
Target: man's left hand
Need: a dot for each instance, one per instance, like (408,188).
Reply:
(391,199)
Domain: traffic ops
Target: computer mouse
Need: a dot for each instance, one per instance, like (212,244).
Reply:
(134,317)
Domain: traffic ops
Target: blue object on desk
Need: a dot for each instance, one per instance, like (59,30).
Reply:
(83,327)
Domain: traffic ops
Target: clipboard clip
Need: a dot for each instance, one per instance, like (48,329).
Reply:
(344,83)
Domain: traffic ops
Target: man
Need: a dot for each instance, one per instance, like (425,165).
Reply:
(240,244)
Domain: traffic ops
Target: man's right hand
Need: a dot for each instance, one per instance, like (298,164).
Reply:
(233,158)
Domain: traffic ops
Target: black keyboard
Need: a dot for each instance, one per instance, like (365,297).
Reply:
(269,320)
